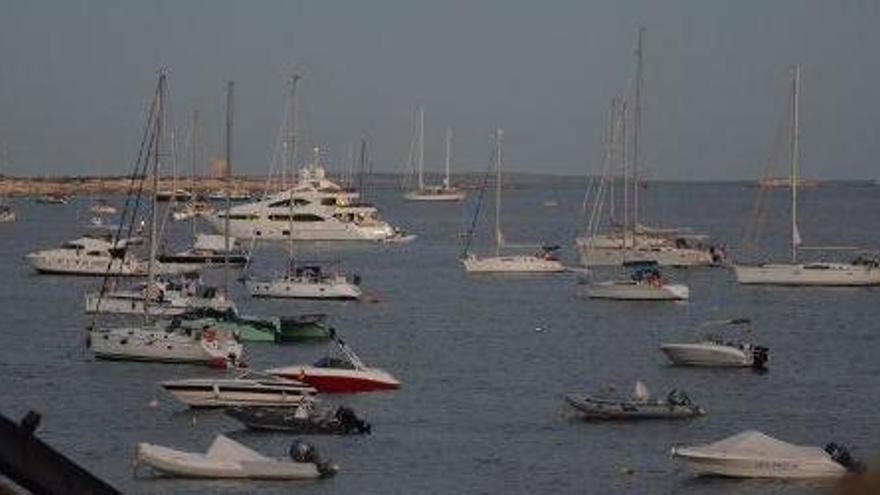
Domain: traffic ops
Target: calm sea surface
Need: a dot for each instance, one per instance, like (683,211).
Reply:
(484,361)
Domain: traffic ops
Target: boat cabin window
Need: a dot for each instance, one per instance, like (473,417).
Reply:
(240,216)
(328,201)
(286,203)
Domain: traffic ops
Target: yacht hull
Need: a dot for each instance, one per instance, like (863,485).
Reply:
(446,196)
(140,344)
(203,393)
(818,274)
(673,257)
(302,290)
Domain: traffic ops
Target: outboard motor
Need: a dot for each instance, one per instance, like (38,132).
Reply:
(301,451)
(356,279)
(841,455)
(350,422)
(760,355)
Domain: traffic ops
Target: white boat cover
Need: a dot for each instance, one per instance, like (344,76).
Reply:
(225,449)
(641,393)
(756,445)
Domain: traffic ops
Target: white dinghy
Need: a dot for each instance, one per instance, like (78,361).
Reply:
(227,458)
(752,454)
(716,351)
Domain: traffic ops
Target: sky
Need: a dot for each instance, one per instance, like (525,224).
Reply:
(76,77)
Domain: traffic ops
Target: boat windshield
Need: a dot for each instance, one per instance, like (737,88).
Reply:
(334,362)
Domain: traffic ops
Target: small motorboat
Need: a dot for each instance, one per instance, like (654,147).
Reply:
(239,391)
(302,420)
(53,199)
(676,405)
(7,214)
(715,351)
(752,454)
(345,374)
(644,284)
(227,458)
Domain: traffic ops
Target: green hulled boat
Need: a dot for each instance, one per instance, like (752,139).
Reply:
(255,329)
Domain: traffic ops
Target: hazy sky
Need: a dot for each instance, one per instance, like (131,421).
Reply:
(75,77)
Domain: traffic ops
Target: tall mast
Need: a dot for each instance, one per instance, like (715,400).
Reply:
(637,127)
(420,156)
(499,139)
(448,154)
(622,114)
(291,163)
(230,87)
(795,151)
(157,167)
(195,159)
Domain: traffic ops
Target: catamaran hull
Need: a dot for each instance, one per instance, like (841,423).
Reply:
(512,264)
(841,275)
(673,257)
(707,355)
(638,292)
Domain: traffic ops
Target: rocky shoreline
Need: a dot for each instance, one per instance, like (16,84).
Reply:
(73,186)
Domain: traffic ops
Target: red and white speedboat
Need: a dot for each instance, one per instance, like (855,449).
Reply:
(346,374)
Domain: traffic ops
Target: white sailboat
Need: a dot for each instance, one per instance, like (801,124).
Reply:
(861,273)
(421,192)
(308,281)
(543,261)
(163,298)
(7,214)
(162,340)
(666,247)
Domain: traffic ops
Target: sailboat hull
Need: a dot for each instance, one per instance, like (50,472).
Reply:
(442,195)
(674,257)
(512,264)
(296,289)
(814,274)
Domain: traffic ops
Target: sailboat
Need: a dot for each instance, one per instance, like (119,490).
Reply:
(444,192)
(302,281)
(161,340)
(543,261)
(666,247)
(859,273)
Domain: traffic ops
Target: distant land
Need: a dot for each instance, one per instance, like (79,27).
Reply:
(117,185)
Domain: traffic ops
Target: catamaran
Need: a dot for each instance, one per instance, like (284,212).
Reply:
(666,247)
(421,192)
(542,261)
(861,272)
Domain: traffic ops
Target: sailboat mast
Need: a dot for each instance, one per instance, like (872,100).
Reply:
(622,113)
(448,153)
(230,87)
(637,127)
(420,156)
(157,167)
(291,163)
(499,138)
(195,159)
(795,151)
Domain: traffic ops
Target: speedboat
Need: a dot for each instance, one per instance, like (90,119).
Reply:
(676,405)
(7,214)
(102,207)
(752,454)
(227,458)
(301,420)
(713,350)
(344,374)
(240,391)
(644,284)
(97,257)
(165,342)
(53,199)
(309,281)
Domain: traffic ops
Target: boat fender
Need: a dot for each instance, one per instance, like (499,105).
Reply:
(760,354)
(841,455)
